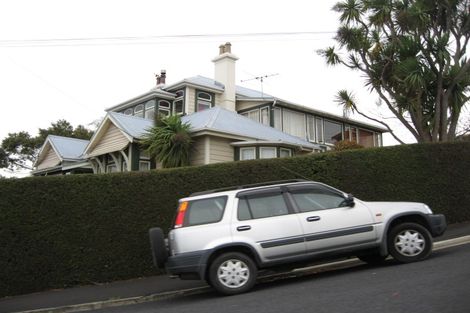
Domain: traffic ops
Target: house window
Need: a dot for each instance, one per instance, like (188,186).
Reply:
(203,101)
(277,118)
(247,153)
(366,138)
(311,128)
(353,134)
(265,116)
(139,110)
(144,166)
(252,115)
(129,111)
(267,152)
(293,123)
(164,107)
(333,132)
(150,109)
(378,139)
(178,104)
(285,153)
(319,129)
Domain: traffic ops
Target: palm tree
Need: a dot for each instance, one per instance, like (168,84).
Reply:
(169,141)
(413,54)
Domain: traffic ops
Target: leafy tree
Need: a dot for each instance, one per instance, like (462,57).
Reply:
(19,150)
(169,141)
(413,54)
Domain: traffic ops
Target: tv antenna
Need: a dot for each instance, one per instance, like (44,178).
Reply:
(260,79)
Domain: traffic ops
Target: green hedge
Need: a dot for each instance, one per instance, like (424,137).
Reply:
(68,230)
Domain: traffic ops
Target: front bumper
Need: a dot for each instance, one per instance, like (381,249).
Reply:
(437,224)
(190,265)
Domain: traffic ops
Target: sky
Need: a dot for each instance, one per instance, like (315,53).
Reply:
(72,59)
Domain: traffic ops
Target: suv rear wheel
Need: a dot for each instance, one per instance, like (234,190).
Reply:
(232,273)
(409,242)
(157,244)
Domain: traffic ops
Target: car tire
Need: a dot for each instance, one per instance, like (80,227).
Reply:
(232,273)
(157,244)
(372,258)
(409,242)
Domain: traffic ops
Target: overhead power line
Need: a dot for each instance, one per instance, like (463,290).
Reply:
(86,41)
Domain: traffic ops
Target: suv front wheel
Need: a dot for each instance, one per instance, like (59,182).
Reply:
(409,242)
(232,273)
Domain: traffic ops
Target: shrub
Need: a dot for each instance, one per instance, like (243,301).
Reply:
(61,231)
(346,145)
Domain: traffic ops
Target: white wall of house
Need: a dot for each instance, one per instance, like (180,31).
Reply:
(51,159)
(112,140)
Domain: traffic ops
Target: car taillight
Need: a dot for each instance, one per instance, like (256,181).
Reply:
(180,215)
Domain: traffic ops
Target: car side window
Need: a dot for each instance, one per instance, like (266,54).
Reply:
(261,207)
(205,211)
(317,199)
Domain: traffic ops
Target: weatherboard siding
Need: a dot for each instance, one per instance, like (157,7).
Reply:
(220,150)
(112,140)
(196,156)
(51,159)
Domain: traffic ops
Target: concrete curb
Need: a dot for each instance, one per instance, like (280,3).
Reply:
(193,291)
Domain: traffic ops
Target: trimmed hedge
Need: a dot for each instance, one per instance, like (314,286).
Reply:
(69,230)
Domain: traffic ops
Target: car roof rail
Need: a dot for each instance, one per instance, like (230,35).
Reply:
(269,183)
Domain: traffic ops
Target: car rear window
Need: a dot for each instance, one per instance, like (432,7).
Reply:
(205,211)
(261,206)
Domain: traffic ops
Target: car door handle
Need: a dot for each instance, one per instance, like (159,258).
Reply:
(313,218)
(244,228)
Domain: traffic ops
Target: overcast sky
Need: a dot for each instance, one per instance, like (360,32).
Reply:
(51,78)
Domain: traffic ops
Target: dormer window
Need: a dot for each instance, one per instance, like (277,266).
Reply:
(150,109)
(164,107)
(204,101)
(178,104)
(139,110)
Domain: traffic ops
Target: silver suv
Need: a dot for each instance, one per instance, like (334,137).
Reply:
(226,236)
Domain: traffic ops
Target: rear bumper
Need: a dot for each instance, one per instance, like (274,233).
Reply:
(190,265)
(437,224)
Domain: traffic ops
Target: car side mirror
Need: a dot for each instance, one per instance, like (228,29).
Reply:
(349,201)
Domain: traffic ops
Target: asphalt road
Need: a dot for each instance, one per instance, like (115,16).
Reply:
(439,284)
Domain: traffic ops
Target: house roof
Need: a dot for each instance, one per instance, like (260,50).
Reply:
(130,126)
(151,94)
(133,126)
(242,93)
(215,119)
(198,81)
(221,120)
(66,148)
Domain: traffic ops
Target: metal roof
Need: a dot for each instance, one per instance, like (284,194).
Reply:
(68,148)
(215,119)
(132,125)
(198,81)
(221,120)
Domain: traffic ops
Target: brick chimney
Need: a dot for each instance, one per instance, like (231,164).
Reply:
(161,78)
(225,74)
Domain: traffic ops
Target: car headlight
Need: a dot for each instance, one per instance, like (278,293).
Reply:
(428,209)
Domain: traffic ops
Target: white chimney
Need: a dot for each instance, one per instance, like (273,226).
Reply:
(225,74)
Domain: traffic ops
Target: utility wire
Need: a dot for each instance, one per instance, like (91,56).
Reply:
(79,41)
